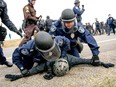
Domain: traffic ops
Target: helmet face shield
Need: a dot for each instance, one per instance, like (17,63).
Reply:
(51,54)
(47,46)
(70,28)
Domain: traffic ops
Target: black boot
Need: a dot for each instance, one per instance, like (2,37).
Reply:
(8,64)
(95,61)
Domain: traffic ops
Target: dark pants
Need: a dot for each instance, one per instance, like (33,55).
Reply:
(111,27)
(74,51)
(72,60)
(97,30)
(2,57)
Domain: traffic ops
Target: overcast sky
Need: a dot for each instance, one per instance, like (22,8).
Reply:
(93,9)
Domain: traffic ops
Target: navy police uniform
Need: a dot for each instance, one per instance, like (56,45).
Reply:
(79,32)
(25,56)
(78,11)
(110,24)
(97,27)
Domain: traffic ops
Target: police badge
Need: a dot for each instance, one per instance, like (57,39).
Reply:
(72,35)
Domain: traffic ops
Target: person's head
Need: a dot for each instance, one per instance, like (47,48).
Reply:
(96,19)
(109,15)
(47,46)
(77,2)
(61,67)
(32,2)
(48,17)
(68,18)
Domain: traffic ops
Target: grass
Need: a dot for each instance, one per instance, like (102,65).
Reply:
(11,43)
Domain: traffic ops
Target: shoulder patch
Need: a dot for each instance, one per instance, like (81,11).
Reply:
(81,30)
(24,51)
(26,9)
(53,28)
(76,7)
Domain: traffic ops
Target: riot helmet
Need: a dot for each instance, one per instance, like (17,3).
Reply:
(31,1)
(61,67)
(76,1)
(48,17)
(68,15)
(47,46)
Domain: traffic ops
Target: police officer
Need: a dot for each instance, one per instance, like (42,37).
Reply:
(69,27)
(97,27)
(5,19)
(77,10)
(37,50)
(110,24)
(31,21)
(48,23)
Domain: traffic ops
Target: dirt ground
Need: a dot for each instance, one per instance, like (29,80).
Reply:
(78,76)
(11,43)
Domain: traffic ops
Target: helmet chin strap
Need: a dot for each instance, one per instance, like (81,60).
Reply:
(70,30)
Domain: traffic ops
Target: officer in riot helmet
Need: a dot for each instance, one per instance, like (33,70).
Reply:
(6,21)
(69,27)
(43,48)
(47,46)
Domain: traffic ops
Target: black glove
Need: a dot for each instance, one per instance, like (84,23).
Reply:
(95,60)
(48,76)
(13,77)
(107,65)
(82,6)
(19,33)
(25,72)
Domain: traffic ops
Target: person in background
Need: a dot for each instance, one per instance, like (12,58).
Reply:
(78,11)
(110,24)
(31,21)
(3,32)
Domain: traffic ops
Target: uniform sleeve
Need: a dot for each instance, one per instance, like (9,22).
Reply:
(66,46)
(5,19)
(77,11)
(17,58)
(66,43)
(89,39)
(54,26)
(27,13)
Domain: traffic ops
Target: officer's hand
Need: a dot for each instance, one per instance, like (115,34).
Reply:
(107,65)
(48,76)
(40,16)
(82,6)
(19,33)
(25,72)
(13,77)
(95,60)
